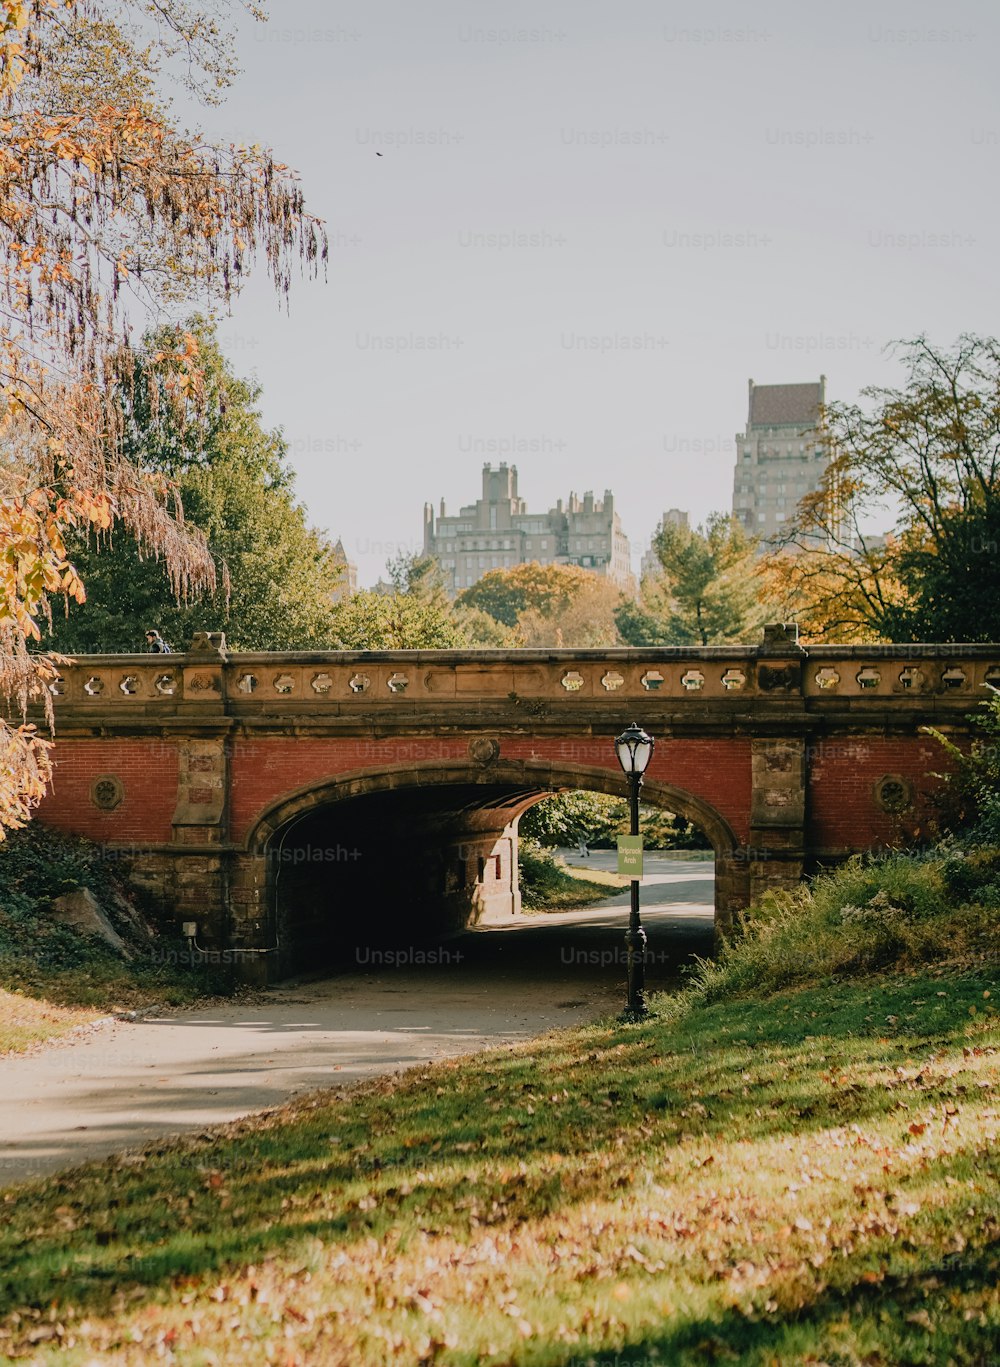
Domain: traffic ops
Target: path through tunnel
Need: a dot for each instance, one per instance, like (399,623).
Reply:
(395,873)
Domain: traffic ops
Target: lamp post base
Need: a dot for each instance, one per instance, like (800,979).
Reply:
(635,951)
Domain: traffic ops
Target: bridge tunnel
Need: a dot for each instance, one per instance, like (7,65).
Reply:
(400,867)
(408,864)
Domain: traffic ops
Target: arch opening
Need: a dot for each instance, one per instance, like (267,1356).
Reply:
(390,861)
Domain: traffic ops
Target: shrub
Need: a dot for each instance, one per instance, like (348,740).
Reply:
(896,911)
(545,883)
(43,957)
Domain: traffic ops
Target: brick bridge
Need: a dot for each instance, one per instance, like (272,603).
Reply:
(280,800)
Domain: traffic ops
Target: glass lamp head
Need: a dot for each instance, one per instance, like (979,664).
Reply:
(634,749)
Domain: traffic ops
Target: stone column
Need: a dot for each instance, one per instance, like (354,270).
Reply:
(200,820)
(732,882)
(511,836)
(253,924)
(776,856)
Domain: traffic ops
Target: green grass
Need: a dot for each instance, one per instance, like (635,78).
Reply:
(900,911)
(810,1177)
(795,1160)
(547,885)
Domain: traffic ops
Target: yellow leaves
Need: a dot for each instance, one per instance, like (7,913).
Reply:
(87,199)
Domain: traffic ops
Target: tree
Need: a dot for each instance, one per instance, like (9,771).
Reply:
(548,605)
(416,614)
(418,576)
(396,621)
(237,489)
(506,594)
(586,621)
(106,207)
(568,817)
(707,593)
(926,455)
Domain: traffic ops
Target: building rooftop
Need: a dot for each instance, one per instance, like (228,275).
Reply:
(771,405)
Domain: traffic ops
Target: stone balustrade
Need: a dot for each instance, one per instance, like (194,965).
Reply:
(313,681)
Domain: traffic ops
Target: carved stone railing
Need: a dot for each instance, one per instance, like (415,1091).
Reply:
(723,675)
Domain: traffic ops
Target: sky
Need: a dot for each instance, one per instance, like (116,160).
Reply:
(590,224)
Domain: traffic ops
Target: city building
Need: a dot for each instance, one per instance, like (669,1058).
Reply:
(347,580)
(779,457)
(498,532)
(673,517)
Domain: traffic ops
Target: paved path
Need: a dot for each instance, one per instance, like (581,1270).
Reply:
(131,1082)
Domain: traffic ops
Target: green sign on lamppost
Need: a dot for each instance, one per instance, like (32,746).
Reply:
(634,750)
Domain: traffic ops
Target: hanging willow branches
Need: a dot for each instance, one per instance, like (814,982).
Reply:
(109,214)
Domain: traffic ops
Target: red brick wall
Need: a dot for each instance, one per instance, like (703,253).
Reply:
(263,770)
(841,813)
(148,771)
(840,807)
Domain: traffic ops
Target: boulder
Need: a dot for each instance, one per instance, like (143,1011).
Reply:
(81,910)
(125,913)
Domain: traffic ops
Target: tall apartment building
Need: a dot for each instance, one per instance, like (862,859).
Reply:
(498,532)
(779,457)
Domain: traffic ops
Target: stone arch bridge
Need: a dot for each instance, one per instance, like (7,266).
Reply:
(275,799)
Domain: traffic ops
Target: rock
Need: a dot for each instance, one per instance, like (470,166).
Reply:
(124,911)
(80,909)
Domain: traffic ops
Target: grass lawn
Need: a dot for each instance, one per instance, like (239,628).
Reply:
(805,1177)
(48,1000)
(25,1021)
(548,884)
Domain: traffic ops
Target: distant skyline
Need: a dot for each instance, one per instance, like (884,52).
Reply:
(589,225)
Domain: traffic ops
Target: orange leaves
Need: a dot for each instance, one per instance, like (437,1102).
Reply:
(25,754)
(103,208)
(72,585)
(33,560)
(96,508)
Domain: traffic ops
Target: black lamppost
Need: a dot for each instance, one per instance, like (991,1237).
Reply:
(634,750)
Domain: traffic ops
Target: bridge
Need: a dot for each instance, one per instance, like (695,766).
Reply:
(279,800)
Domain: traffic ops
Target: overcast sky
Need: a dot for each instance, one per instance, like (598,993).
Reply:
(590,224)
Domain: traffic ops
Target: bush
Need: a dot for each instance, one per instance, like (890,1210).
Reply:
(545,883)
(566,818)
(893,912)
(44,958)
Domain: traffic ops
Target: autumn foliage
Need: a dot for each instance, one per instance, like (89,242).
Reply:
(107,212)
